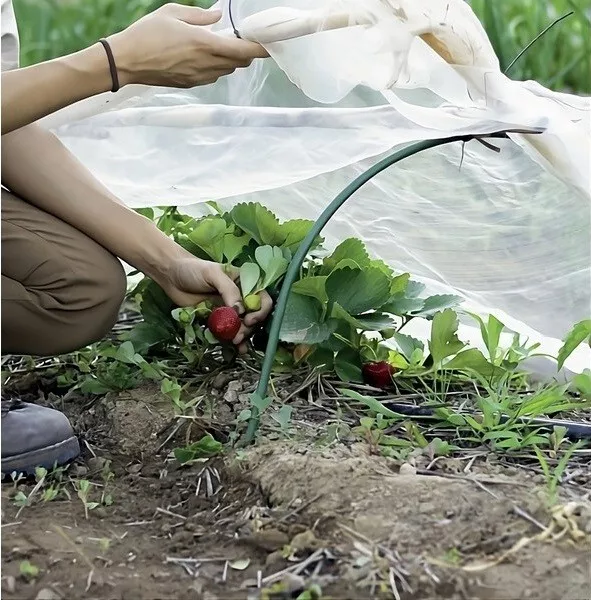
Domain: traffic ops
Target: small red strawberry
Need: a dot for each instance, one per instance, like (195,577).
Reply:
(378,374)
(224,323)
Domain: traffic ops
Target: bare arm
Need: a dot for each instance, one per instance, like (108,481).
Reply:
(34,92)
(39,168)
(169,47)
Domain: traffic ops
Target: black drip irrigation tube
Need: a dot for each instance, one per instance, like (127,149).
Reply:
(575,430)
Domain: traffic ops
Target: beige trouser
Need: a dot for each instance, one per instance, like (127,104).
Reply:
(60,289)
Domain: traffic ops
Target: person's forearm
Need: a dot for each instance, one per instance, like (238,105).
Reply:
(39,168)
(34,92)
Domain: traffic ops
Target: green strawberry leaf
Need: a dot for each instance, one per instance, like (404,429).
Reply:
(302,323)
(259,222)
(295,231)
(358,290)
(347,365)
(444,340)
(435,304)
(382,266)
(375,321)
(234,245)
(401,306)
(407,344)
(312,286)
(272,262)
(249,278)
(413,289)
(208,234)
(580,333)
(399,284)
(352,249)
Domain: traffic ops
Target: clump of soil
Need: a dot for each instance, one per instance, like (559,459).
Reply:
(276,519)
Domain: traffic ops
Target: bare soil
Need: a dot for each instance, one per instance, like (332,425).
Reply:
(271,521)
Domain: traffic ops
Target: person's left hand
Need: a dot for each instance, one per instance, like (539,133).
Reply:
(193,280)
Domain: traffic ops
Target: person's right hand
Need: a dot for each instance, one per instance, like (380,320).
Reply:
(170,47)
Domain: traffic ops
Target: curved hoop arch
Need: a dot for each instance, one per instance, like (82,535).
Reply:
(300,255)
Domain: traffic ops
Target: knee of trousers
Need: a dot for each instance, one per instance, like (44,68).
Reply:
(79,310)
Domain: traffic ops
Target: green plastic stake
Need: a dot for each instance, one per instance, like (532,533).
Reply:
(300,255)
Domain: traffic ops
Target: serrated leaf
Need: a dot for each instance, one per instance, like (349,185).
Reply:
(295,231)
(407,344)
(444,341)
(435,304)
(376,321)
(347,262)
(401,306)
(312,286)
(234,245)
(208,234)
(575,337)
(399,284)
(368,322)
(382,266)
(357,290)
(302,323)
(351,248)
(259,222)
(249,278)
(414,288)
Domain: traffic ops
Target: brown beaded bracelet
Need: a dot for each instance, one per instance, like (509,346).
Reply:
(112,65)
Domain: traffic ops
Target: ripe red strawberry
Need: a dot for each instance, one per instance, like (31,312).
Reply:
(378,374)
(224,323)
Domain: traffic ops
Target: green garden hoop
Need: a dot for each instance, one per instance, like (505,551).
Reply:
(300,255)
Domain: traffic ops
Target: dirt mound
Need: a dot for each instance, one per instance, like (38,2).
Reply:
(272,521)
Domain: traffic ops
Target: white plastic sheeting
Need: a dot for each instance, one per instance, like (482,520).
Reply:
(350,81)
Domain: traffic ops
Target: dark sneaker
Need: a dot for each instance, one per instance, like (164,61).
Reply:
(35,436)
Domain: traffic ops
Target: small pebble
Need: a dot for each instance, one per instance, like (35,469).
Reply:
(305,541)
(47,594)
(78,471)
(407,469)
(9,584)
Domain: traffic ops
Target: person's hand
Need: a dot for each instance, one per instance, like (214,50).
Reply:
(192,280)
(170,47)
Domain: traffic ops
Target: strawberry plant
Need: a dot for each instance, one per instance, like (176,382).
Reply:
(342,309)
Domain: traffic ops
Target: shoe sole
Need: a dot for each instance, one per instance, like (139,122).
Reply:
(48,457)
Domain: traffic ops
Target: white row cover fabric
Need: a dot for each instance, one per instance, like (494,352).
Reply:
(349,82)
